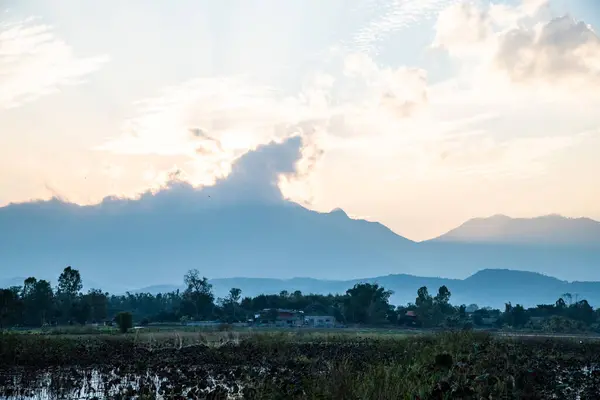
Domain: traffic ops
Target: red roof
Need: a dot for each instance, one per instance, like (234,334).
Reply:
(411,314)
(285,314)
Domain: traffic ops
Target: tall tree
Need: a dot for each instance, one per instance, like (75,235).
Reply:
(199,296)
(68,290)
(568,298)
(38,301)
(69,282)
(233,300)
(442,302)
(98,303)
(519,316)
(424,303)
(443,296)
(234,295)
(367,303)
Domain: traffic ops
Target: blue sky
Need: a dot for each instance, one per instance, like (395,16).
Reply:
(417,113)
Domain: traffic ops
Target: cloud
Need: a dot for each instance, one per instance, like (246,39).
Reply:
(483,154)
(213,121)
(34,62)
(400,91)
(214,115)
(521,44)
(393,16)
(254,179)
(481,146)
(560,51)
(462,28)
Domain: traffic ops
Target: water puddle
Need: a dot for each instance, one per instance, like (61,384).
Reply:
(92,384)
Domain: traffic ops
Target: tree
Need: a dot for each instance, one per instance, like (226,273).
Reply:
(367,303)
(424,304)
(98,303)
(442,304)
(423,297)
(8,301)
(462,312)
(443,296)
(38,301)
(519,316)
(471,308)
(233,299)
(195,283)
(69,282)
(515,316)
(124,321)
(69,288)
(582,311)
(198,294)
(80,311)
(234,295)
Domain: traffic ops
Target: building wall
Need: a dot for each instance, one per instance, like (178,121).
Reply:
(325,321)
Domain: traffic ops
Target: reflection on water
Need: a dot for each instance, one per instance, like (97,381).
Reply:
(71,383)
(94,384)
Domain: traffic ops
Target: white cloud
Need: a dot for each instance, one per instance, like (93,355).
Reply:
(34,62)
(212,121)
(561,51)
(462,29)
(254,179)
(487,155)
(380,114)
(392,16)
(521,46)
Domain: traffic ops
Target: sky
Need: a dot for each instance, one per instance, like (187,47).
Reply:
(419,114)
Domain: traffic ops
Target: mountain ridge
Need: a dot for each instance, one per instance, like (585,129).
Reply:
(549,229)
(242,225)
(280,240)
(488,287)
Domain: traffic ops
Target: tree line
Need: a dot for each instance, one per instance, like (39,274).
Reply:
(37,303)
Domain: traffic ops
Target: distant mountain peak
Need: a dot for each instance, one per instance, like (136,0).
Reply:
(498,217)
(339,211)
(505,273)
(545,229)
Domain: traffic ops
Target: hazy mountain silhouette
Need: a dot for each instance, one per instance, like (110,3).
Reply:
(549,229)
(242,226)
(489,287)
(485,288)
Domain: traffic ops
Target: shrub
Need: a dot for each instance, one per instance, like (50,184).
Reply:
(124,321)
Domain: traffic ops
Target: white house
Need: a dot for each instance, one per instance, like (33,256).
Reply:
(320,321)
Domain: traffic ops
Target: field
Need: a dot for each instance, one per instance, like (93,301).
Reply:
(297,365)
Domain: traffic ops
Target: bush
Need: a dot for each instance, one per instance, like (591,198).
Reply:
(124,321)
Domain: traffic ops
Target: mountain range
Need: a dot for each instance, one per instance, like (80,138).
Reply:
(490,287)
(548,229)
(242,226)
